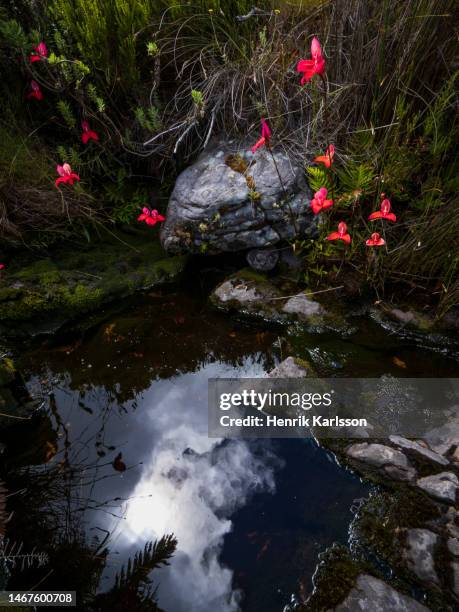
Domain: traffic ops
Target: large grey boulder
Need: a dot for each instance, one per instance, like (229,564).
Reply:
(372,594)
(231,200)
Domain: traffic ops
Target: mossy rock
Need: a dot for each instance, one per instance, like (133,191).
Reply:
(253,295)
(7,371)
(69,283)
(335,576)
(250,294)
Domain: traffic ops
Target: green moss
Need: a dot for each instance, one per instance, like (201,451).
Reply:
(7,371)
(248,274)
(335,576)
(302,363)
(76,282)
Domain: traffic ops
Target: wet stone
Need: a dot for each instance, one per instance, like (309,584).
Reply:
(445,438)
(262,260)
(441,486)
(372,594)
(418,449)
(289,368)
(455,568)
(393,462)
(453,546)
(302,306)
(419,554)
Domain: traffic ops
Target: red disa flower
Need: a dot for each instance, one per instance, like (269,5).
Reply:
(151,217)
(316,65)
(341,234)
(88,134)
(66,175)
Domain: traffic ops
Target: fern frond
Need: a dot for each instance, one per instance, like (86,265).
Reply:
(356,180)
(317,178)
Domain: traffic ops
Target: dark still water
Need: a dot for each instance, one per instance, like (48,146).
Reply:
(120,456)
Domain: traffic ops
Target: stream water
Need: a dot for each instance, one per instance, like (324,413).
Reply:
(250,517)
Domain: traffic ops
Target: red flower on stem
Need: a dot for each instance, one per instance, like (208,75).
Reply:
(341,234)
(319,203)
(375,240)
(384,212)
(265,136)
(41,53)
(326,159)
(151,217)
(2,266)
(36,92)
(88,134)
(316,65)
(66,175)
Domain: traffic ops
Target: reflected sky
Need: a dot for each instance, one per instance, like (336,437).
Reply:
(137,385)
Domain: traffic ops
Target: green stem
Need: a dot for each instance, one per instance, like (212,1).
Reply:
(283,189)
(327,132)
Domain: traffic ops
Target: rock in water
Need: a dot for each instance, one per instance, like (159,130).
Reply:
(262,260)
(374,595)
(420,554)
(232,200)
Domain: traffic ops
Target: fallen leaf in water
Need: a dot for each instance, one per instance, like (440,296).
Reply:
(108,331)
(68,348)
(399,362)
(118,464)
(232,334)
(264,549)
(51,450)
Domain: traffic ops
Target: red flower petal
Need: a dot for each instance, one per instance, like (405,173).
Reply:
(323,159)
(305,66)
(258,144)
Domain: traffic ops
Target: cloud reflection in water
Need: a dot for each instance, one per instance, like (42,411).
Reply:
(190,485)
